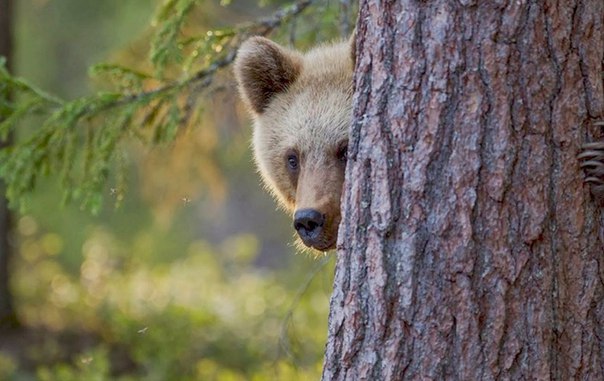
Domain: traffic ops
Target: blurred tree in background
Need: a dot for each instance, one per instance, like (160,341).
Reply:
(180,282)
(8,318)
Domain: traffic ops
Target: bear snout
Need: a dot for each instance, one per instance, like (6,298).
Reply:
(309,225)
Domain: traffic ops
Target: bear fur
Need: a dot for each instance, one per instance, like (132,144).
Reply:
(301,104)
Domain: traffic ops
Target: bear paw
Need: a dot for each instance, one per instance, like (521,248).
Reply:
(592,163)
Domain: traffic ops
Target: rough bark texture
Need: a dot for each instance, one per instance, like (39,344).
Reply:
(8,318)
(470,249)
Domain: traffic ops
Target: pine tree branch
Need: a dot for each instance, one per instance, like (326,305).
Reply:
(70,143)
(204,77)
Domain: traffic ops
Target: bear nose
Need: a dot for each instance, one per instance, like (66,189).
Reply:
(309,225)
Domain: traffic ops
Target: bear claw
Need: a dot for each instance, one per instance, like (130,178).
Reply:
(592,163)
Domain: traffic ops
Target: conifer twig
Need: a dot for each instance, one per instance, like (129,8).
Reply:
(83,156)
(204,76)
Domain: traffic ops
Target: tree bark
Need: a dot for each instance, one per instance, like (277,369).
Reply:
(8,318)
(470,249)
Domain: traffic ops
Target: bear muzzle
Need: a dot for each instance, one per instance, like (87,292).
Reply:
(317,202)
(310,225)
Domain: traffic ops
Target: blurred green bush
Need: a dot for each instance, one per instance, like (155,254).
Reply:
(209,315)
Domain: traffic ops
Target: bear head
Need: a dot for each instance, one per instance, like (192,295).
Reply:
(302,107)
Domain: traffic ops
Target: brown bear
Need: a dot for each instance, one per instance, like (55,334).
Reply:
(302,105)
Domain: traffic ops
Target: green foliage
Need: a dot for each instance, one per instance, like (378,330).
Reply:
(8,367)
(165,45)
(33,100)
(210,315)
(126,80)
(205,49)
(81,141)
(91,366)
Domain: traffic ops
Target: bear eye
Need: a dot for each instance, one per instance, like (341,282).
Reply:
(342,153)
(292,161)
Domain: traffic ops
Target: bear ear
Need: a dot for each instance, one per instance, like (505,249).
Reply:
(264,69)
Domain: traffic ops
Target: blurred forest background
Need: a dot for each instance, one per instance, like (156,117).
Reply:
(194,275)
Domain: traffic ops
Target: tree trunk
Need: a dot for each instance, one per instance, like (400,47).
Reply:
(470,248)
(8,318)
